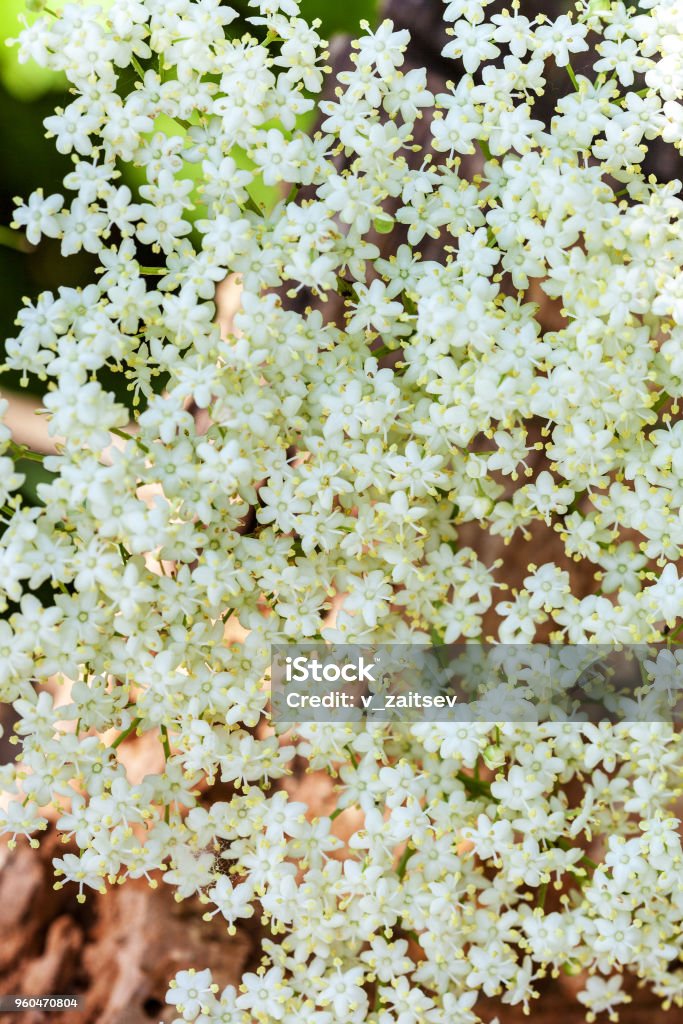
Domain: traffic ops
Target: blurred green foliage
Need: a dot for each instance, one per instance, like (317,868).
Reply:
(339,15)
(28,94)
(23,81)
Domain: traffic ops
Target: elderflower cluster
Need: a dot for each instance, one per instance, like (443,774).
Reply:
(331,485)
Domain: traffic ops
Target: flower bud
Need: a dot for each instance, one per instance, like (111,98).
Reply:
(493,756)
(384,223)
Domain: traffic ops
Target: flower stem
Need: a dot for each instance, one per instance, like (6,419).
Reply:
(403,863)
(570,72)
(20,451)
(129,437)
(477,787)
(541,894)
(137,65)
(125,734)
(14,240)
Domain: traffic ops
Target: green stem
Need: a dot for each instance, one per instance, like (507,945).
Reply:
(125,734)
(167,755)
(477,787)
(154,270)
(403,863)
(336,812)
(376,1001)
(137,65)
(354,758)
(129,437)
(661,402)
(121,433)
(485,148)
(20,451)
(570,72)
(409,305)
(14,240)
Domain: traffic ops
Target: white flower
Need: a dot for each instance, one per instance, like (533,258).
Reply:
(472,43)
(666,595)
(191,991)
(39,216)
(603,995)
(338,484)
(383,48)
(265,995)
(560,38)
